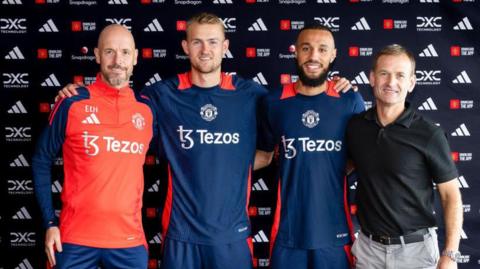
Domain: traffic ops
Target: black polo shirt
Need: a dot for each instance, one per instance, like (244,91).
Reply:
(397,165)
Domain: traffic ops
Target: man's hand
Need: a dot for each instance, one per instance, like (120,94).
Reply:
(343,84)
(446,263)
(52,243)
(68,91)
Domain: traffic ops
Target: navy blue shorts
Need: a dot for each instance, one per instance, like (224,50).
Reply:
(337,257)
(179,254)
(82,257)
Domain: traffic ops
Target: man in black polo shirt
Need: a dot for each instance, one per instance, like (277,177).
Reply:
(398,155)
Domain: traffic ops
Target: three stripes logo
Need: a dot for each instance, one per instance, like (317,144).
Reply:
(118,2)
(222,2)
(461,131)
(260,237)
(20,161)
(260,79)
(25,264)
(15,54)
(157,239)
(17,108)
(428,105)
(22,214)
(12,2)
(156,78)
(91,119)
(360,79)
(154,26)
(257,26)
(429,51)
(463,78)
(462,182)
(463,235)
(50,81)
(228,54)
(327,1)
(464,24)
(48,27)
(56,187)
(155,187)
(361,25)
(260,185)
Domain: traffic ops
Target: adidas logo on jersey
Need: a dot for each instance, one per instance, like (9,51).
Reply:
(260,237)
(157,239)
(56,187)
(50,81)
(15,54)
(48,27)
(228,55)
(429,51)
(25,264)
(461,131)
(20,161)
(464,24)
(360,79)
(22,214)
(17,108)
(260,185)
(154,26)
(361,25)
(428,105)
(155,187)
(12,2)
(260,79)
(462,182)
(91,119)
(258,25)
(118,2)
(153,80)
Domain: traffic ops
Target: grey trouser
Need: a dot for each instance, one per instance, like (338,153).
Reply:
(373,255)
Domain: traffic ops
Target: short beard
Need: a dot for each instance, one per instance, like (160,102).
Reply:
(312,82)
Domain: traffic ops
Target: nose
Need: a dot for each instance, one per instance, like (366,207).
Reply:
(391,80)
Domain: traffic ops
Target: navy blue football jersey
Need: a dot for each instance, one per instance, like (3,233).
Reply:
(310,134)
(208,136)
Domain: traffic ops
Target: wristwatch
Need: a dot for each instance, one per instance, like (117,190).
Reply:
(454,255)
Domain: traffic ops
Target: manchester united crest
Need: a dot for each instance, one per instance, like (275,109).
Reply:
(310,118)
(208,112)
(138,121)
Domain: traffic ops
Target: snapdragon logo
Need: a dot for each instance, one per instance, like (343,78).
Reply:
(306,144)
(92,148)
(189,136)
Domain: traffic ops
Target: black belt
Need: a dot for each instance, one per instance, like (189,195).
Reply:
(414,237)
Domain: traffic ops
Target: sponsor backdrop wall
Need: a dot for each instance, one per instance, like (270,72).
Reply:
(45,44)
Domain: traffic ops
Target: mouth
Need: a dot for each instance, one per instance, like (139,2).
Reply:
(313,67)
(390,90)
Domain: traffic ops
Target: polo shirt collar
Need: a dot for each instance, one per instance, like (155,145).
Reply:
(405,119)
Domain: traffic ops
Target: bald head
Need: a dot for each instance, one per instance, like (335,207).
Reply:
(116,54)
(115,30)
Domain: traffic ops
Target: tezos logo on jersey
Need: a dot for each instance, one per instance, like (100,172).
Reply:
(306,144)
(208,112)
(112,145)
(138,121)
(205,137)
(310,118)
